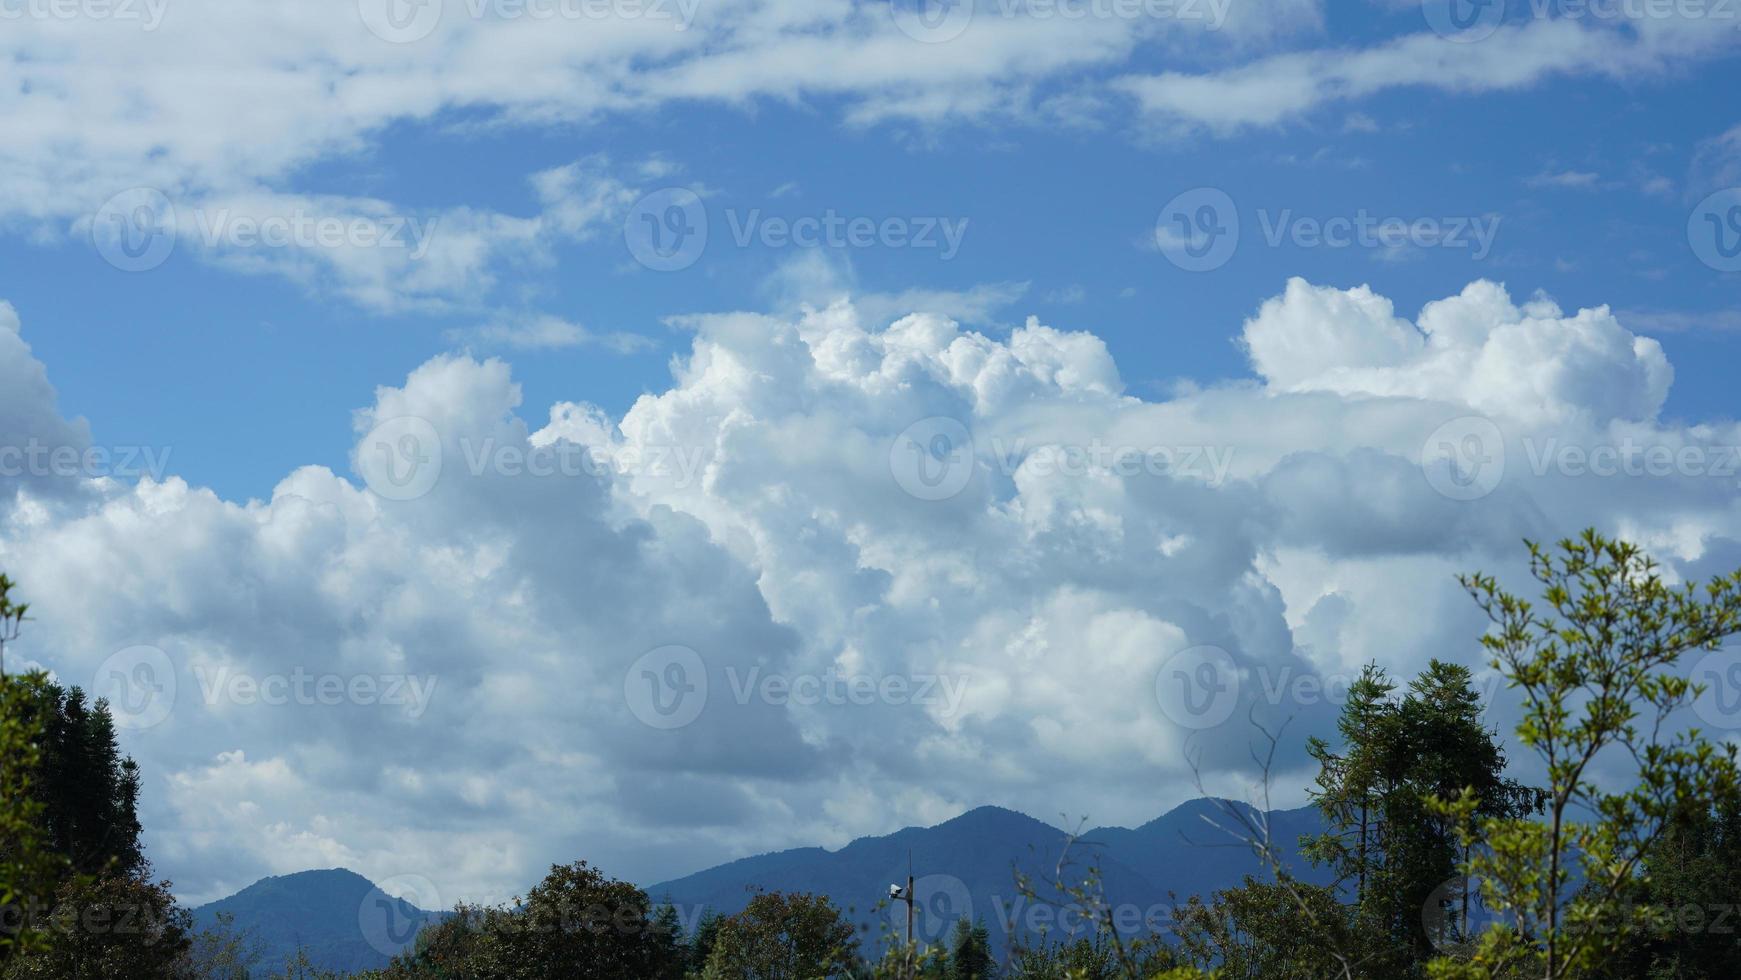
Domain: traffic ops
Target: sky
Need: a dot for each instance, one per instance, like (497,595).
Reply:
(466,435)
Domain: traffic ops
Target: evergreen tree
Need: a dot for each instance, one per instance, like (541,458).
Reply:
(970,952)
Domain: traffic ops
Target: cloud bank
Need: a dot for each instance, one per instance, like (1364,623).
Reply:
(843,574)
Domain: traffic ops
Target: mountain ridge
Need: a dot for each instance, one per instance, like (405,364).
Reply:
(964,867)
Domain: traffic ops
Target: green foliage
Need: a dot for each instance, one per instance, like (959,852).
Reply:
(221,952)
(1097,957)
(1382,835)
(701,944)
(970,952)
(12,617)
(29,869)
(782,936)
(460,945)
(115,926)
(300,967)
(576,923)
(1596,666)
(89,790)
(1688,898)
(1283,929)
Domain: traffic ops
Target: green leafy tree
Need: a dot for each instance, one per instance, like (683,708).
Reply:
(1096,957)
(577,923)
(116,926)
(29,868)
(1270,930)
(781,936)
(12,617)
(300,967)
(460,945)
(1689,894)
(220,952)
(1596,664)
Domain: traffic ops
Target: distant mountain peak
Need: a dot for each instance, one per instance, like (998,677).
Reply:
(320,911)
(989,815)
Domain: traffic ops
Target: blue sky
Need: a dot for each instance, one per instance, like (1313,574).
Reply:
(1069,210)
(1590,149)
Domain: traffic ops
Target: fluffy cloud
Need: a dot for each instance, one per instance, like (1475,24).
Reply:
(1477,348)
(910,562)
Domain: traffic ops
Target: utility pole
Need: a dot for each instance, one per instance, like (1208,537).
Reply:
(912,968)
(900,894)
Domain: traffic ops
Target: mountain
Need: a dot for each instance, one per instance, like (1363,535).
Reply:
(966,867)
(340,918)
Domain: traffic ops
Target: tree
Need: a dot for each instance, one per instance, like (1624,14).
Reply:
(12,617)
(221,952)
(970,952)
(460,945)
(1691,884)
(89,790)
(76,897)
(116,926)
(782,936)
(29,868)
(1596,667)
(1270,930)
(1096,957)
(1348,783)
(701,944)
(1382,834)
(576,923)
